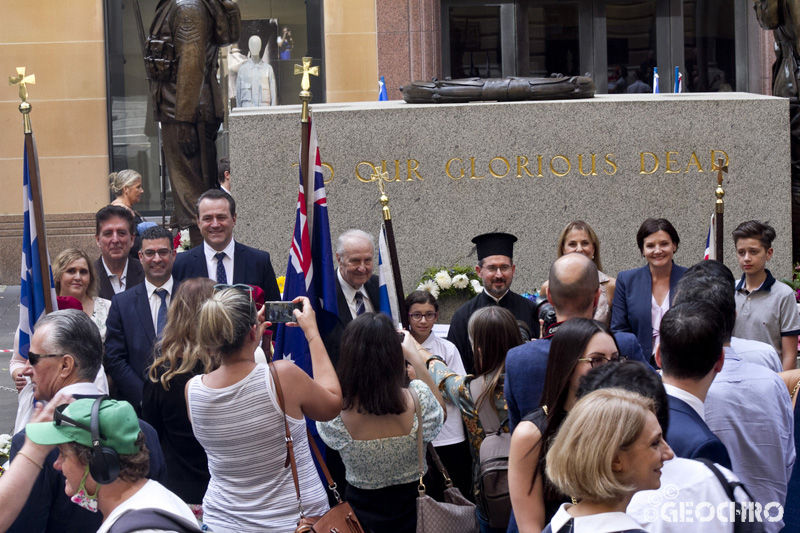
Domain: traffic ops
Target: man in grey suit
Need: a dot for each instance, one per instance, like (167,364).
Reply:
(114,233)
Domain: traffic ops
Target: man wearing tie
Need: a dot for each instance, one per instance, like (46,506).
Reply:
(220,257)
(137,317)
(356,287)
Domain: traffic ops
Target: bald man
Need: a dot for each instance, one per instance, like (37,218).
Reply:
(574,291)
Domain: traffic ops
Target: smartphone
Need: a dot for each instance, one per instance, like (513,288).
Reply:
(281,312)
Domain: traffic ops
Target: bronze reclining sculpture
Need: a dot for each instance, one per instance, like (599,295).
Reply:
(509,89)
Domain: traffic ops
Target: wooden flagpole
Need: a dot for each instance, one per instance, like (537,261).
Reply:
(387,221)
(719,212)
(305,95)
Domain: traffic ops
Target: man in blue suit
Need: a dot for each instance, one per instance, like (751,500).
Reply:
(691,355)
(220,257)
(137,317)
(573,290)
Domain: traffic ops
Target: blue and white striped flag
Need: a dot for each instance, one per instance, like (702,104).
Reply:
(655,81)
(382,95)
(711,240)
(32,291)
(388,296)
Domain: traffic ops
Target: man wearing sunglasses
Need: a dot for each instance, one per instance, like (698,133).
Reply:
(137,317)
(574,291)
(65,356)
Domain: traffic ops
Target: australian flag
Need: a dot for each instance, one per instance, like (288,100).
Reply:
(310,271)
(32,290)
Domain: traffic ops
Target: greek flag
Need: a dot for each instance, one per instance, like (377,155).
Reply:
(32,291)
(386,286)
(310,271)
(711,240)
(655,81)
(382,90)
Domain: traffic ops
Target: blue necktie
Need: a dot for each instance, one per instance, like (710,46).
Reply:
(360,307)
(161,317)
(222,277)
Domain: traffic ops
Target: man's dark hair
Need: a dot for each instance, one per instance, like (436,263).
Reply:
(577,296)
(753,229)
(654,225)
(633,376)
(691,340)
(421,297)
(710,281)
(73,332)
(157,232)
(216,194)
(114,211)
(223,166)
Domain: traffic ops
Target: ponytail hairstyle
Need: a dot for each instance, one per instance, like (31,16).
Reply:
(225,320)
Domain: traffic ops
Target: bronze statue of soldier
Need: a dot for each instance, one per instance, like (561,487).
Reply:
(783,17)
(181,62)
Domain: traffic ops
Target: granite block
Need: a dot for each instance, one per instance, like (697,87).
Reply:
(458,170)
(392,15)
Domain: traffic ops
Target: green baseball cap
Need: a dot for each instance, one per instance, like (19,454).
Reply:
(118,424)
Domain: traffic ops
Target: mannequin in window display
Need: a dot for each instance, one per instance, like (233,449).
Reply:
(181,56)
(235,60)
(255,82)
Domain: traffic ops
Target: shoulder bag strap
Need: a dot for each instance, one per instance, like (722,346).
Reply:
(420,447)
(487,413)
(331,483)
(289,442)
(440,465)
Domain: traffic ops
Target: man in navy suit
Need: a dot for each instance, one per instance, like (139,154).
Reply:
(574,291)
(691,355)
(137,317)
(116,270)
(220,257)
(356,287)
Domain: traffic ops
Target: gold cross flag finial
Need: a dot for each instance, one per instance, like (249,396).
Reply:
(23,82)
(305,70)
(722,168)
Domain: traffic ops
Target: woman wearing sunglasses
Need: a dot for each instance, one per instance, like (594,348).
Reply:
(578,346)
(236,417)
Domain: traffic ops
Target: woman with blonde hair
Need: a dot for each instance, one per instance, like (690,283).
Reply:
(126,186)
(236,416)
(179,357)
(609,448)
(579,237)
(74,276)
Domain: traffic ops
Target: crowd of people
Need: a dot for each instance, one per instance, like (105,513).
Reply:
(664,387)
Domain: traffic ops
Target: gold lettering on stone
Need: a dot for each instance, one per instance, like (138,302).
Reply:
(694,161)
(373,170)
(593,172)
(671,162)
(714,157)
(521,165)
(641,162)
(609,159)
(396,170)
(539,167)
(460,170)
(410,169)
(553,168)
(329,167)
(472,175)
(505,161)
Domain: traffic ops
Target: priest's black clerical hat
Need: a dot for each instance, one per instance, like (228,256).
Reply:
(495,244)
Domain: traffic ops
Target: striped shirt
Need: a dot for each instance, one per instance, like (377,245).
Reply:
(241,429)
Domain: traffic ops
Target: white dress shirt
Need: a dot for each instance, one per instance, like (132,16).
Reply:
(227,262)
(350,295)
(155,299)
(693,401)
(117,282)
(596,523)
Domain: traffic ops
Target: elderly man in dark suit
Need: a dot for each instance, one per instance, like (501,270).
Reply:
(691,355)
(220,257)
(356,286)
(116,271)
(137,317)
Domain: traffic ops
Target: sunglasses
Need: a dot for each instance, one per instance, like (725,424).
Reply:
(241,287)
(34,357)
(63,420)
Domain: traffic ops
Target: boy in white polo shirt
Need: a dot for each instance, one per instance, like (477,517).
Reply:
(765,309)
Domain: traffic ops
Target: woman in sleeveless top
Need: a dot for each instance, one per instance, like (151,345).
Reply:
(236,418)
(376,432)
(578,346)
(579,237)
(608,448)
(493,331)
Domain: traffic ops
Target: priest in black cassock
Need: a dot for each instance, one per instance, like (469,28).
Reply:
(496,269)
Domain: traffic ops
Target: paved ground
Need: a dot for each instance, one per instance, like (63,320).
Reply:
(9,319)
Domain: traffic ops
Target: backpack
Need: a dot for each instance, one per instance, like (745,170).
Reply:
(743,522)
(152,518)
(493,499)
